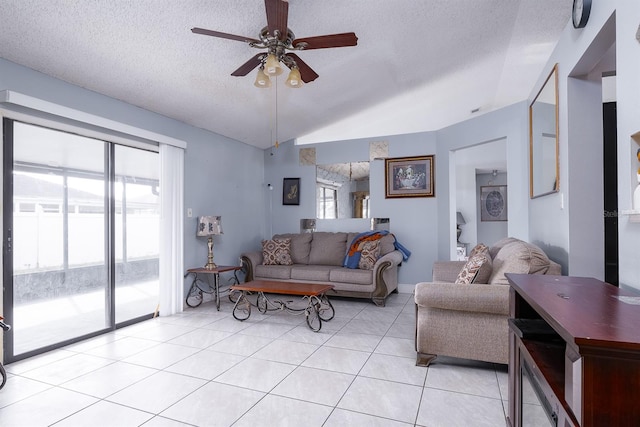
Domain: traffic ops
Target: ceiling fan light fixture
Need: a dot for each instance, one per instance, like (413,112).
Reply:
(294,80)
(262,79)
(272,65)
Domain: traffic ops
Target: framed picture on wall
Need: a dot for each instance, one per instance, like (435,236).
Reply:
(291,191)
(409,177)
(493,203)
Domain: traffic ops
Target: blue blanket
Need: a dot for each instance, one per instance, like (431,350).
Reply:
(352,258)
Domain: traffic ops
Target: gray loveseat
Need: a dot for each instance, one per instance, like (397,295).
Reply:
(318,258)
(469,321)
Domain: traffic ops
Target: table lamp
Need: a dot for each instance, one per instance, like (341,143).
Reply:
(209,226)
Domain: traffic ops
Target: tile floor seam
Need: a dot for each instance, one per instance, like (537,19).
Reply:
(331,333)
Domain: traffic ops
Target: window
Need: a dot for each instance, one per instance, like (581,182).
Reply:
(327,202)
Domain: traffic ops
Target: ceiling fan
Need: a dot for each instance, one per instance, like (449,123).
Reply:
(279,41)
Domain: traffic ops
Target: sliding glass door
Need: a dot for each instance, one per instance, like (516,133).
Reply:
(81,232)
(137,237)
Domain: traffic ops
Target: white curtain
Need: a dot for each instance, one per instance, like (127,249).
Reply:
(171,229)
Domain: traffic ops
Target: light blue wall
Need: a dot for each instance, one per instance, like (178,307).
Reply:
(424,225)
(414,221)
(222,176)
(508,124)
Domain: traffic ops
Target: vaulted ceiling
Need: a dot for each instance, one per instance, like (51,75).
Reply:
(418,66)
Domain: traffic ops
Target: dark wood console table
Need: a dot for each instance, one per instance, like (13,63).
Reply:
(574,347)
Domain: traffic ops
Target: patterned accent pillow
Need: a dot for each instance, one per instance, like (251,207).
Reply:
(276,252)
(471,268)
(369,254)
(480,247)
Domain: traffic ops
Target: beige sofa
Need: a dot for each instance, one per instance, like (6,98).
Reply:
(318,258)
(469,321)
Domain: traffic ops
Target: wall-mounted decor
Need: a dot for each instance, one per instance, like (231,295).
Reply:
(307,156)
(291,191)
(493,203)
(409,177)
(544,169)
(378,150)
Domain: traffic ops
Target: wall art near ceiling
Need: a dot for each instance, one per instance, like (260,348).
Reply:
(409,177)
(493,203)
(291,191)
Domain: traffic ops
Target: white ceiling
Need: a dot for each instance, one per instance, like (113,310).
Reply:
(419,65)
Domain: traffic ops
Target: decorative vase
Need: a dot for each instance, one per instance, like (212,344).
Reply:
(636,196)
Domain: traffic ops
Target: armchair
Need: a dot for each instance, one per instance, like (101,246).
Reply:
(469,321)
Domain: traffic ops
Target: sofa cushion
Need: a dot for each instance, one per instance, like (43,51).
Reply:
(272,272)
(518,257)
(328,248)
(369,254)
(276,252)
(495,248)
(470,270)
(350,275)
(387,244)
(300,246)
(318,273)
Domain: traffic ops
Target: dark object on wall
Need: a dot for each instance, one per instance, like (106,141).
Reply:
(493,203)
(409,177)
(291,191)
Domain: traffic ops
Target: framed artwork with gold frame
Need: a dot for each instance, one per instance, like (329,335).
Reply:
(409,177)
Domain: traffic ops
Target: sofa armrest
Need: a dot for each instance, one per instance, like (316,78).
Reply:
(249,261)
(447,271)
(394,257)
(479,298)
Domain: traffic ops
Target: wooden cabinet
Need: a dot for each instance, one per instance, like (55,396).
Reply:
(574,352)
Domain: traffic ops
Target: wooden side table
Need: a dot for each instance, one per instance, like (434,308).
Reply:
(195,294)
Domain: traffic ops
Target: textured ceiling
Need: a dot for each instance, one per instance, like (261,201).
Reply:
(419,65)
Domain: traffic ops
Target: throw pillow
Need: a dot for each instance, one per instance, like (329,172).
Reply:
(276,252)
(471,268)
(480,247)
(369,254)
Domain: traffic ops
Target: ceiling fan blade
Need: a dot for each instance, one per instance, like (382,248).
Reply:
(306,73)
(223,35)
(244,69)
(277,16)
(323,42)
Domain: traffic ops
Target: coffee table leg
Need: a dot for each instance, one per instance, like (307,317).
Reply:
(242,308)
(313,317)
(326,310)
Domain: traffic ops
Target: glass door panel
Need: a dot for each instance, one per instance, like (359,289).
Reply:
(137,232)
(60,275)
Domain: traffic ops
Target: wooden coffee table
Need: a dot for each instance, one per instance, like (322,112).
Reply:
(317,309)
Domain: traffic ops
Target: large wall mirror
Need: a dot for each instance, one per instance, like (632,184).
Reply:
(342,190)
(543,139)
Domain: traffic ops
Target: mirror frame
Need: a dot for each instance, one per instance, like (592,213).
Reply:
(551,78)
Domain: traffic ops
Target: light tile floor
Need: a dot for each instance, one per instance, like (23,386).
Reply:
(204,368)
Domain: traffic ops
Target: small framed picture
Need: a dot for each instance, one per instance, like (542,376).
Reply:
(409,177)
(493,203)
(291,191)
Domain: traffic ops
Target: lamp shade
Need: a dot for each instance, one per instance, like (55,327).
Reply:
(294,80)
(460,219)
(262,79)
(209,226)
(272,65)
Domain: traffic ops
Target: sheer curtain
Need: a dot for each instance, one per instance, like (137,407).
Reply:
(171,229)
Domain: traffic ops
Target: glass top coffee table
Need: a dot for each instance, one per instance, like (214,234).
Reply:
(318,308)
